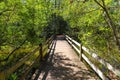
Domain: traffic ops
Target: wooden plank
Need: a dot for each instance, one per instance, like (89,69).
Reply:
(19,63)
(109,66)
(97,70)
(7,72)
(36,61)
(75,42)
(50,39)
(27,70)
(78,51)
(95,56)
(69,41)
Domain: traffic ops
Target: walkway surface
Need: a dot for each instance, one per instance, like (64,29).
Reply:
(63,64)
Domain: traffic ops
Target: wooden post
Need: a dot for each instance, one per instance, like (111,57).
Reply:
(81,51)
(40,51)
(48,44)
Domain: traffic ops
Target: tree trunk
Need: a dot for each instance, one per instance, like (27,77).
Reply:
(109,22)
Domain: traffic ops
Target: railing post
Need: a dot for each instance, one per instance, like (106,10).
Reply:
(48,45)
(81,51)
(49,42)
(40,52)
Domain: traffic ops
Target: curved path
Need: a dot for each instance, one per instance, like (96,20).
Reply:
(63,64)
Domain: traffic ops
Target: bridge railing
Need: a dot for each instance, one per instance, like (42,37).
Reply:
(80,49)
(42,48)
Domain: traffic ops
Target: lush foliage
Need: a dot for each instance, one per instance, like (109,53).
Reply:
(21,28)
(95,23)
(25,24)
(94,26)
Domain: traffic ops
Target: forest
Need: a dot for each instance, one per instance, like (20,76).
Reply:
(24,24)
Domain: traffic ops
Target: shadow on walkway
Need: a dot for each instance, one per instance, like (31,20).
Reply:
(60,70)
(48,58)
(60,67)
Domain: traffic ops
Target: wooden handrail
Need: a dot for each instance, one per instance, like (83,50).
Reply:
(42,52)
(103,62)
(73,41)
(93,55)
(6,73)
(10,70)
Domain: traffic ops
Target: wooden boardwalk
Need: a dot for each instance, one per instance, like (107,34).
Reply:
(63,64)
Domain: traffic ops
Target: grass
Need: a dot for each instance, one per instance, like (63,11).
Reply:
(17,55)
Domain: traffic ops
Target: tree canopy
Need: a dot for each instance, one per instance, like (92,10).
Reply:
(95,23)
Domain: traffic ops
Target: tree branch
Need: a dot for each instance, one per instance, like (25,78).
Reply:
(91,11)
(99,4)
(109,22)
(13,51)
(4,11)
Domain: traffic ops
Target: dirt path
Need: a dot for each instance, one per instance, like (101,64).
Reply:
(64,64)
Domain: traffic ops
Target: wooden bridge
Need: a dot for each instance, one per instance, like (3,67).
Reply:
(63,64)
(64,59)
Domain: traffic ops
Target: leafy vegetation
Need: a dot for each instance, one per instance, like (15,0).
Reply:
(21,25)
(95,23)
(26,23)
(13,77)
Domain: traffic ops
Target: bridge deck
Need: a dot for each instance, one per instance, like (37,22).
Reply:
(63,64)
